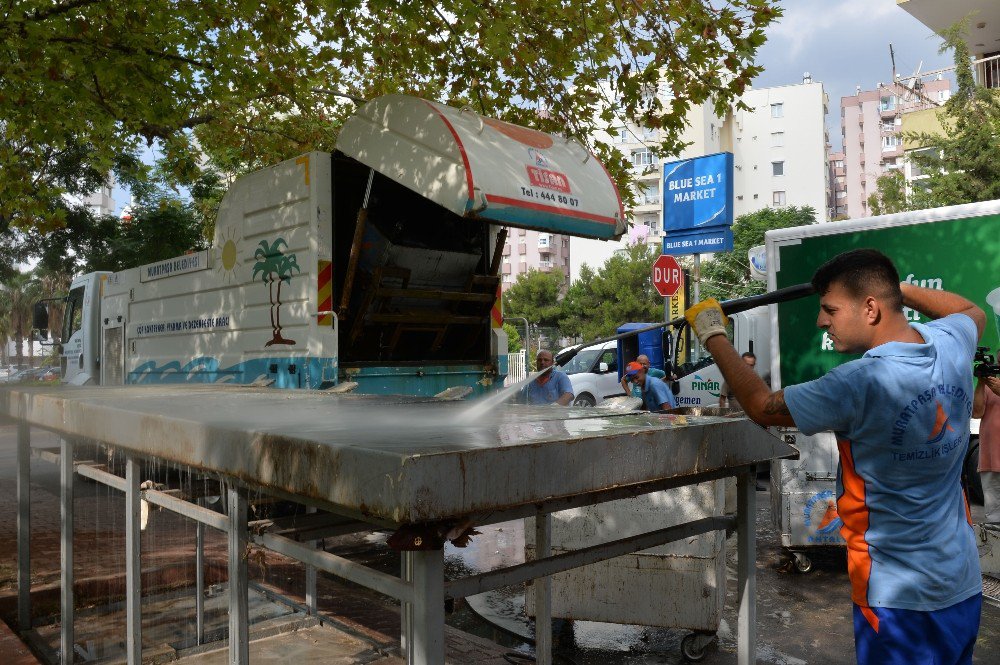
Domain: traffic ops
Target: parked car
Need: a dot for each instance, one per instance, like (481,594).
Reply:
(23,375)
(594,374)
(50,374)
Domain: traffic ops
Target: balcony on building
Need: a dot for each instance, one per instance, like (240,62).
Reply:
(887,106)
(545,265)
(988,71)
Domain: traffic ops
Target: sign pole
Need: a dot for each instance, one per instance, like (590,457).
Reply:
(697,299)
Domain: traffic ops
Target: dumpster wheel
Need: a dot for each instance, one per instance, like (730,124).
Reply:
(803,563)
(693,645)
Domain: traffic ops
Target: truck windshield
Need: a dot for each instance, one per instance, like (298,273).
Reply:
(583,361)
(74,313)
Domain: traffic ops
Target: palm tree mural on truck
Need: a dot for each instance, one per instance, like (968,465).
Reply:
(275,267)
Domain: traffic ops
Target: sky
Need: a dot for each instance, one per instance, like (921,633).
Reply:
(844,44)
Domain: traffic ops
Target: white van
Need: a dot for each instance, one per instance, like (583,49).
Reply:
(594,374)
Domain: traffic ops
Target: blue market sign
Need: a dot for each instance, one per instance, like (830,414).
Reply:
(718,239)
(698,193)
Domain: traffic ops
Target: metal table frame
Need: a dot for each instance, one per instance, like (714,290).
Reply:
(421,588)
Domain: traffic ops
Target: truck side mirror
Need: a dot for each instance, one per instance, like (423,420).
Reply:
(40,320)
(602,368)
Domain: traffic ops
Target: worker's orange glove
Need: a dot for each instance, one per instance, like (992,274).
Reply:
(706,319)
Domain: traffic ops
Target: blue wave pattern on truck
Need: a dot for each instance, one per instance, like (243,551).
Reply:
(308,371)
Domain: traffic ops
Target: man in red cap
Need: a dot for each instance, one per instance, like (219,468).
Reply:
(656,395)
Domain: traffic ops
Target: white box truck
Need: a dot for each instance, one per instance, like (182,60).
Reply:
(379,264)
(954,248)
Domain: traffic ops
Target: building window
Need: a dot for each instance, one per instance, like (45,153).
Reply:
(841,195)
(643,157)
(778,110)
(839,164)
(777,168)
(891,142)
(777,139)
(649,194)
(887,103)
(622,134)
(648,134)
(778,198)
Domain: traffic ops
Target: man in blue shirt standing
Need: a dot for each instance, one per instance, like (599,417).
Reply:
(636,389)
(901,417)
(552,387)
(656,395)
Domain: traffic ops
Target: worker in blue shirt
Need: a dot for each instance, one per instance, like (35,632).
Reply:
(551,387)
(635,390)
(656,394)
(901,417)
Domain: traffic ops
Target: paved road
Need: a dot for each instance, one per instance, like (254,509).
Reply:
(801,618)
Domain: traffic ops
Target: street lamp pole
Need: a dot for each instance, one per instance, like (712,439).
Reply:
(527,334)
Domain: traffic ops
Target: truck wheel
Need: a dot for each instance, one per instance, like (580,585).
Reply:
(584,399)
(803,563)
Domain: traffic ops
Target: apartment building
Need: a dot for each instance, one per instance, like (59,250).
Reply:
(837,177)
(533,250)
(871,124)
(779,155)
(779,148)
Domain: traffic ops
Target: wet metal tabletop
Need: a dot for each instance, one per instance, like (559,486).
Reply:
(395,459)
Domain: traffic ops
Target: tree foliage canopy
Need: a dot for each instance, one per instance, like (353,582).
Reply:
(962,165)
(727,275)
(536,296)
(248,82)
(620,292)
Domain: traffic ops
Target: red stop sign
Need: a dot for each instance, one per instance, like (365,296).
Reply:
(668,277)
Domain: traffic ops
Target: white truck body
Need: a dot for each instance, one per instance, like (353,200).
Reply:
(751,332)
(419,265)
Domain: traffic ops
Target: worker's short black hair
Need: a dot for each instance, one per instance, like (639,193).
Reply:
(863,272)
(749,354)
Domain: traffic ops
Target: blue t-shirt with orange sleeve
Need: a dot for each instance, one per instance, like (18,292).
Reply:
(901,417)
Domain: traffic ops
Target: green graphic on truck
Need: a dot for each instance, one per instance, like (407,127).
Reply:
(959,255)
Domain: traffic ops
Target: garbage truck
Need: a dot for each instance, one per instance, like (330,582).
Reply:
(377,266)
(954,248)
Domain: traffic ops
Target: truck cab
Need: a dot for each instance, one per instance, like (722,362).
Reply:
(81,334)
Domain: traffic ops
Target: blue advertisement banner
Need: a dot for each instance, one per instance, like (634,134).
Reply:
(698,193)
(717,239)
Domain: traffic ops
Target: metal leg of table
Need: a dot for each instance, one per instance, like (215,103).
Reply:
(199,578)
(311,602)
(543,593)
(66,551)
(133,574)
(406,609)
(239,612)
(23,525)
(746,511)
(427,621)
